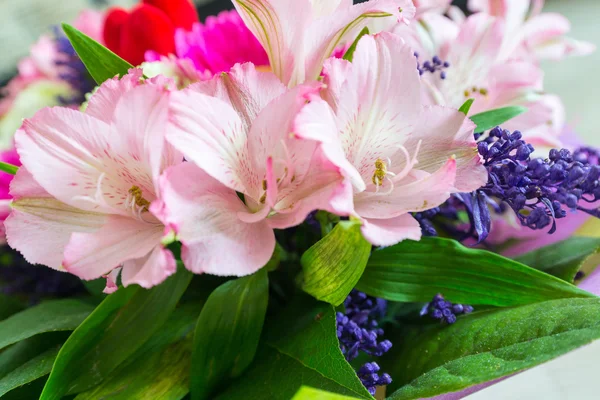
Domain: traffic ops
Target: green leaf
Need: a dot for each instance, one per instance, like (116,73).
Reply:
(562,259)
(157,370)
(490,119)
(101,63)
(162,375)
(9,306)
(334,264)
(29,372)
(299,347)
(308,393)
(349,55)
(113,332)
(20,353)
(8,168)
(416,271)
(228,332)
(466,107)
(487,345)
(51,316)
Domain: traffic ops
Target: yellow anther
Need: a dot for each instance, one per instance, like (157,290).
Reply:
(380,172)
(140,201)
(467,93)
(264,184)
(483,91)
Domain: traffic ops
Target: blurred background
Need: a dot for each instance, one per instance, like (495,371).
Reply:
(575,80)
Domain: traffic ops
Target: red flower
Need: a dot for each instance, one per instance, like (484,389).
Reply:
(149,26)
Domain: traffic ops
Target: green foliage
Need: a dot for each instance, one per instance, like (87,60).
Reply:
(227,332)
(8,168)
(51,316)
(308,393)
(101,63)
(9,306)
(427,361)
(299,347)
(416,271)
(30,371)
(562,259)
(349,55)
(466,107)
(113,332)
(492,118)
(333,265)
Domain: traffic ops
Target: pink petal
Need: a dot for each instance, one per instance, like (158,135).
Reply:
(204,214)
(388,232)
(444,133)
(149,270)
(92,255)
(422,194)
(103,102)
(40,226)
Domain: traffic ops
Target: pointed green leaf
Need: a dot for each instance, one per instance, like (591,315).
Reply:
(308,393)
(120,325)
(29,372)
(299,347)
(101,63)
(228,332)
(562,259)
(466,107)
(8,168)
(416,271)
(349,55)
(490,119)
(51,316)
(334,264)
(487,345)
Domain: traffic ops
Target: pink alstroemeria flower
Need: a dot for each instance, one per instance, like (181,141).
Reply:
(237,133)
(531,34)
(300,35)
(434,6)
(405,157)
(82,197)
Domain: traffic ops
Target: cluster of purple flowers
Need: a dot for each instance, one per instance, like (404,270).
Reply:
(538,190)
(72,71)
(433,66)
(442,309)
(358,330)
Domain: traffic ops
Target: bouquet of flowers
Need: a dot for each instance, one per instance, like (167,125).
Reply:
(293,200)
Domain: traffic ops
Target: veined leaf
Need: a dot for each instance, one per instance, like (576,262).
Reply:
(487,345)
(490,119)
(228,332)
(334,264)
(416,271)
(120,325)
(101,63)
(50,316)
(29,372)
(562,259)
(308,393)
(299,348)
(466,107)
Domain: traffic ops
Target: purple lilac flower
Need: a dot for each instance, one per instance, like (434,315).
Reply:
(445,311)
(358,330)
(538,190)
(433,66)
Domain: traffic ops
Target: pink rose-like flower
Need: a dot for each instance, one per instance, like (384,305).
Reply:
(402,157)
(299,36)
(237,133)
(83,196)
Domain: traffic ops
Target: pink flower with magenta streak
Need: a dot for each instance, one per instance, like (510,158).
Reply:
(83,197)
(399,155)
(237,131)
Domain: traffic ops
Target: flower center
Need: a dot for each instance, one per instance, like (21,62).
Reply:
(380,172)
(138,198)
